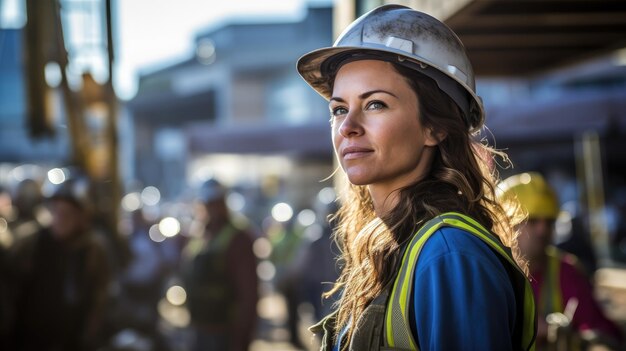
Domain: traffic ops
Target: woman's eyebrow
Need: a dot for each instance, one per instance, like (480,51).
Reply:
(365,95)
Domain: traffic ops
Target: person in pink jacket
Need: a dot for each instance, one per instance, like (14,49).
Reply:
(559,282)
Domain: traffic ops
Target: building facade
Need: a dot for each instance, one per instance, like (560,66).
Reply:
(237,110)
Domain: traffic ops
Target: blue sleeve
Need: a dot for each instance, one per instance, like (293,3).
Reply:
(463,298)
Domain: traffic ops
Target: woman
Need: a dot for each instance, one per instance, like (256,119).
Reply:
(404,113)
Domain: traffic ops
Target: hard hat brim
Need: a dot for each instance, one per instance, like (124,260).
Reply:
(311,68)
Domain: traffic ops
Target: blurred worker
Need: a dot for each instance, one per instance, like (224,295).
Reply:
(286,239)
(27,201)
(61,275)
(219,272)
(316,264)
(556,277)
(572,236)
(142,283)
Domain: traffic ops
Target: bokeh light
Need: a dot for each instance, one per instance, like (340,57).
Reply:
(25,171)
(52,73)
(155,234)
(306,217)
(525,178)
(262,248)
(266,270)
(131,202)
(326,195)
(282,212)
(206,51)
(56,176)
(169,226)
(150,196)
(176,316)
(235,202)
(176,295)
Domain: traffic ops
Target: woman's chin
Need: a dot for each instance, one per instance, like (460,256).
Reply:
(358,179)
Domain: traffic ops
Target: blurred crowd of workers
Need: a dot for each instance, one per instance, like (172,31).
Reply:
(62,287)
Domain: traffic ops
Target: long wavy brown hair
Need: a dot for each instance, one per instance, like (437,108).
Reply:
(461,179)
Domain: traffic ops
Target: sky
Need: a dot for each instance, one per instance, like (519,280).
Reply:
(156,33)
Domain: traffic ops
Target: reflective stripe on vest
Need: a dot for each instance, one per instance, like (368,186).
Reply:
(551,298)
(397,325)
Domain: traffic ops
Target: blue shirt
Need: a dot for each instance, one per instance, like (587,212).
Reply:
(463,298)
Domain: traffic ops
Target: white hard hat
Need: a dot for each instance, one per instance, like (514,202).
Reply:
(407,37)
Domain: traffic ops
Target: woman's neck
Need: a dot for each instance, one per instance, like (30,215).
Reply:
(383,200)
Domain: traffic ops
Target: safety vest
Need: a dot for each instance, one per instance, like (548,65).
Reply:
(551,298)
(210,295)
(385,325)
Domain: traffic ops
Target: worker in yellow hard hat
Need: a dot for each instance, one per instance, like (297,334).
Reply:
(530,193)
(559,283)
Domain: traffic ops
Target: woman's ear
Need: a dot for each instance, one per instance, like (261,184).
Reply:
(433,138)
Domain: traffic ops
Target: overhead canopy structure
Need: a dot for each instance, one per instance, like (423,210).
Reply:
(311,139)
(560,119)
(521,38)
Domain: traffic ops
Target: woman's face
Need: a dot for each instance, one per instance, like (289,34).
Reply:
(377,134)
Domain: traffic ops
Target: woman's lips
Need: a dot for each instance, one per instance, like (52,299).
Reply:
(354,152)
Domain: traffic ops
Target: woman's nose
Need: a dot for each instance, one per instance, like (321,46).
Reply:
(351,125)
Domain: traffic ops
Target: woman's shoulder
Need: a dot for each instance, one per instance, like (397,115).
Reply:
(457,245)
(452,239)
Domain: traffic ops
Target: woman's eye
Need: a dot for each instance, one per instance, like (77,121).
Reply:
(376,105)
(338,111)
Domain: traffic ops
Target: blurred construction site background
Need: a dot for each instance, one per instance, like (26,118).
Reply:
(223,100)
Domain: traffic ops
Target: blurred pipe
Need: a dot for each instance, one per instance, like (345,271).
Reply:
(111,101)
(593,185)
(111,132)
(39,34)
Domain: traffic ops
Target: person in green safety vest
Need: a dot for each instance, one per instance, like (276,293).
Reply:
(559,281)
(219,273)
(428,254)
